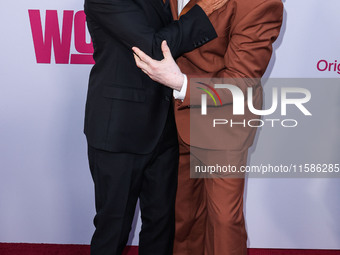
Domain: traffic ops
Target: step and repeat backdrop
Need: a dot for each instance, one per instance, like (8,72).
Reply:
(46,191)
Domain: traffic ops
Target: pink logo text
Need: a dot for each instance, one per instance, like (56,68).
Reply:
(61,40)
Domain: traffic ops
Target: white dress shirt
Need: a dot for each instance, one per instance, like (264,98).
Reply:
(181,4)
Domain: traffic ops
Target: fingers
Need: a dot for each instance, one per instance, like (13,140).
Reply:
(142,65)
(145,58)
(165,49)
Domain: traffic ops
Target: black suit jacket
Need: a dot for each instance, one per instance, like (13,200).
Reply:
(125,110)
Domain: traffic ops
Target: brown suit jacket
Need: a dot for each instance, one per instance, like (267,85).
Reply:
(246,30)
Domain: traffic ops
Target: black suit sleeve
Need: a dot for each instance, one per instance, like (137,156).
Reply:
(127,22)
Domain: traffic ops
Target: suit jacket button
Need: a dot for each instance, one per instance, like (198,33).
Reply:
(167,98)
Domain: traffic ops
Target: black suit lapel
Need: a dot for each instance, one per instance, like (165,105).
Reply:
(162,9)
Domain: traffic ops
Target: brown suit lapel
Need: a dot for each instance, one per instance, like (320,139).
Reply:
(174,8)
(188,7)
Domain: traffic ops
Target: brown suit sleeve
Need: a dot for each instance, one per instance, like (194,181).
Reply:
(247,55)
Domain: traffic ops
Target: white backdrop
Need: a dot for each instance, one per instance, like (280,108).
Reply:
(46,192)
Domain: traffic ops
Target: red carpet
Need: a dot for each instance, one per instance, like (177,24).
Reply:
(58,249)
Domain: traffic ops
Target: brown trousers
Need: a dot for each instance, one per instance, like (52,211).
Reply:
(209,212)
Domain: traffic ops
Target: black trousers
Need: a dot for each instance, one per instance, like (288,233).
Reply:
(120,179)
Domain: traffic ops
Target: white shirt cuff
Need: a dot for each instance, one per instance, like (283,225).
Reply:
(181,94)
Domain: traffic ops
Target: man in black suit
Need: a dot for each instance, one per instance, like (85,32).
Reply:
(129,122)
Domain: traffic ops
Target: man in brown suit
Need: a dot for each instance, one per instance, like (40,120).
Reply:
(209,211)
